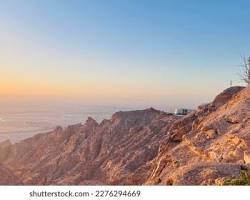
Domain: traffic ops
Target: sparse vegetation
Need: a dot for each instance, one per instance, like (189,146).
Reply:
(246,73)
(244,179)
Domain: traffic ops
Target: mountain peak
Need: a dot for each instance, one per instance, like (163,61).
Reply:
(226,95)
(91,122)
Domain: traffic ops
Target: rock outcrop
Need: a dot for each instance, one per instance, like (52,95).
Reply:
(209,144)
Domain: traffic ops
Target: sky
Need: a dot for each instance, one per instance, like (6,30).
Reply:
(126,52)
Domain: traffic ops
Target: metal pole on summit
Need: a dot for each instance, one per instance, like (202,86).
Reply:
(246,74)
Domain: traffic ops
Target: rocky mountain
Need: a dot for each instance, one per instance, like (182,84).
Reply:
(116,151)
(208,146)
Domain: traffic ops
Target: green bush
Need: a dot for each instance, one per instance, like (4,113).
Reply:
(244,179)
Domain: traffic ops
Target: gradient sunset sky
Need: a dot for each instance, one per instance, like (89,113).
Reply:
(122,52)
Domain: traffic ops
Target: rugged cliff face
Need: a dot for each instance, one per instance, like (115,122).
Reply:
(116,151)
(207,146)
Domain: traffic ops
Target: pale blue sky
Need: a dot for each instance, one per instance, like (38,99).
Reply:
(122,52)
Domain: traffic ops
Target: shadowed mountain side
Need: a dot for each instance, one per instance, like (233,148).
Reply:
(7,177)
(116,151)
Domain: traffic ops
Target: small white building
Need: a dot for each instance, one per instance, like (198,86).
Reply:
(182,111)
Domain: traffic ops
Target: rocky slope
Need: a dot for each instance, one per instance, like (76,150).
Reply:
(207,146)
(116,151)
(7,177)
